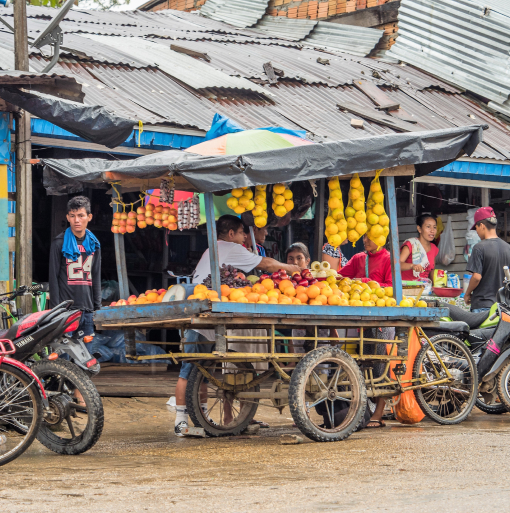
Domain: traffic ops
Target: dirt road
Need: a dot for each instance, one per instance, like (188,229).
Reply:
(139,465)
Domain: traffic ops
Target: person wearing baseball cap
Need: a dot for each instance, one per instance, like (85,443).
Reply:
(486,263)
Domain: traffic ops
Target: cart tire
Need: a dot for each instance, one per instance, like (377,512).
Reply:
(200,419)
(306,420)
(87,422)
(453,402)
(503,384)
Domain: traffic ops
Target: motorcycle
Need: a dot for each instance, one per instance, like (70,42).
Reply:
(22,399)
(48,343)
(487,336)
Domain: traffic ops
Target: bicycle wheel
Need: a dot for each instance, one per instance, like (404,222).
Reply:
(225,414)
(447,403)
(20,402)
(327,395)
(503,384)
(70,427)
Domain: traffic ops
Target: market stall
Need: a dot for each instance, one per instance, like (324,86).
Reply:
(328,375)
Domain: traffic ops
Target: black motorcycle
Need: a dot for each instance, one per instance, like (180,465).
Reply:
(47,342)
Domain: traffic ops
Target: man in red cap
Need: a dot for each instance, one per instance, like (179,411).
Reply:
(486,262)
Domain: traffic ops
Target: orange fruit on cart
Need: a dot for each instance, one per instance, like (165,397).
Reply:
(344,302)
(380,292)
(365,296)
(252,297)
(302,296)
(327,291)
(313,291)
(296,301)
(284,284)
(225,290)
(199,288)
(272,301)
(290,291)
(189,297)
(142,300)
(224,299)
(300,289)
(333,300)
(263,298)
(315,302)
(273,294)
(200,295)
(242,300)
(210,294)
(259,288)
(235,294)
(323,299)
(160,298)
(268,284)
(285,300)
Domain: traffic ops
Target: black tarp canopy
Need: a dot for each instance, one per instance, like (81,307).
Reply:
(427,151)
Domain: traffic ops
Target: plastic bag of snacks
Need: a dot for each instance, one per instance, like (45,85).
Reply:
(282,199)
(355,211)
(336,225)
(377,220)
(241,200)
(260,210)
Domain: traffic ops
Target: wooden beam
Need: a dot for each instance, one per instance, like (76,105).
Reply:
(191,53)
(370,17)
(270,73)
(378,96)
(407,170)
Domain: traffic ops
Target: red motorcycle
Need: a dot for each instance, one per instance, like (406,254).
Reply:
(22,399)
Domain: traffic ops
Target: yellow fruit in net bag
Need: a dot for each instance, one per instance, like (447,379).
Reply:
(375,187)
(278,188)
(377,220)
(354,194)
(239,210)
(289,205)
(334,184)
(334,203)
(331,229)
(243,201)
(329,220)
(257,211)
(335,240)
(335,193)
(335,231)
(251,205)
(378,197)
(280,211)
(355,182)
(337,214)
(353,235)
(384,220)
(282,199)
(342,225)
(375,232)
(287,194)
(386,230)
(260,221)
(349,212)
(232,203)
(259,200)
(343,235)
(361,228)
(279,199)
(358,204)
(351,223)
(378,210)
(372,218)
(237,193)
(360,216)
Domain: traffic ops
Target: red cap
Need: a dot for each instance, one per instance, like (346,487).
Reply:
(483,213)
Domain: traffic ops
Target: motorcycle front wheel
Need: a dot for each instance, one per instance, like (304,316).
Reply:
(76,417)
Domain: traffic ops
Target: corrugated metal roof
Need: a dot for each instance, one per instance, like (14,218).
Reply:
(240,13)
(500,6)
(288,28)
(344,38)
(458,41)
(191,71)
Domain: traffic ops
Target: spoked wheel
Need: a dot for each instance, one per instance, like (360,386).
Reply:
(71,427)
(21,412)
(451,402)
(491,404)
(225,414)
(503,385)
(327,395)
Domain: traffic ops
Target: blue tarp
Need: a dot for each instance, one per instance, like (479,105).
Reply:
(475,171)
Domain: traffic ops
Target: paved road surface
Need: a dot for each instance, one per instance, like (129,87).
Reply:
(139,465)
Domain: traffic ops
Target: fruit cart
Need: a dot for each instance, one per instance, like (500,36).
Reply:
(326,388)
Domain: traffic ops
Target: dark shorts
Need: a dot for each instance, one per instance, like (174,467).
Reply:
(200,345)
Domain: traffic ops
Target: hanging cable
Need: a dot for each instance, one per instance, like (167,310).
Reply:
(435,197)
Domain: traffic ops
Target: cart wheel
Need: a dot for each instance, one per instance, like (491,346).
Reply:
(448,403)
(503,384)
(221,403)
(327,395)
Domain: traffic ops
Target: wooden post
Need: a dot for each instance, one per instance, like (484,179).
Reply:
(120,252)
(23,169)
(319,220)
(212,240)
(391,209)
(485,196)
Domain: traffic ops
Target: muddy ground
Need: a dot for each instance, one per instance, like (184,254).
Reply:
(139,465)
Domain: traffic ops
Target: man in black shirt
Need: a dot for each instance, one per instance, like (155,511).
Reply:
(486,262)
(75,264)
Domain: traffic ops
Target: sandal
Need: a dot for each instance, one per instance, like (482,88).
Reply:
(263,425)
(380,423)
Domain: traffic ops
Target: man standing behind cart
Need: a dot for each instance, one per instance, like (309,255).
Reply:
(231,237)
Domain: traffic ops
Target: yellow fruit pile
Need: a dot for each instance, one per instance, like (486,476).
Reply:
(377,220)
(355,211)
(366,294)
(241,200)
(336,225)
(260,210)
(282,199)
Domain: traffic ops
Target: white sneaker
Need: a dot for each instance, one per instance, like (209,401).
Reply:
(180,427)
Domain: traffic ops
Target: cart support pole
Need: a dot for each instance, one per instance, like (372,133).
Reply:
(391,205)
(212,240)
(120,253)
(319,220)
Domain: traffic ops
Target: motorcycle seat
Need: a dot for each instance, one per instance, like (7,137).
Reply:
(454,326)
(473,320)
(3,334)
(481,334)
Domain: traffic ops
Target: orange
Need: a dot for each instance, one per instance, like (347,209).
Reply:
(160,298)
(214,298)
(225,290)
(268,284)
(284,284)
(322,284)
(333,300)
(290,291)
(272,301)
(211,294)
(261,302)
(199,288)
(252,297)
(235,294)
(259,288)
(224,299)
(315,302)
(302,297)
(296,301)
(263,298)
(273,294)
(322,299)
(242,300)
(284,300)
(246,289)
(344,302)
(200,295)
(300,289)
(189,297)
(151,297)
(313,291)
(143,300)
(327,291)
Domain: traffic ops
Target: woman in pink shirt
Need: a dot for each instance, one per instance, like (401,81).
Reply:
(418,254)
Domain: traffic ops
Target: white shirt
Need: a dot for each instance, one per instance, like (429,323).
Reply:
(229,253)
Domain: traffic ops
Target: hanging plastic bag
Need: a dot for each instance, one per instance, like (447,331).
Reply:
(446,253)
(377,220)
(407,410)
(336,225)
(355,211)
(471,235)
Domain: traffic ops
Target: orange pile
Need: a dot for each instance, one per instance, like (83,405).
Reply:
(150,296)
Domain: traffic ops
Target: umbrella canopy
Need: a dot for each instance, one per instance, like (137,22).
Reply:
(249,141)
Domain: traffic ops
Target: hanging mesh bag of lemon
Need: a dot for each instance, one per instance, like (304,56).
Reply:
(377,220)
(282,199)
(260,210)
(241,200)
(355,211)
(336,225)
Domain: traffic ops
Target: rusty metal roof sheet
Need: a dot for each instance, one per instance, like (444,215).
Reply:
(458,40)
(287,28)
(240,13)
